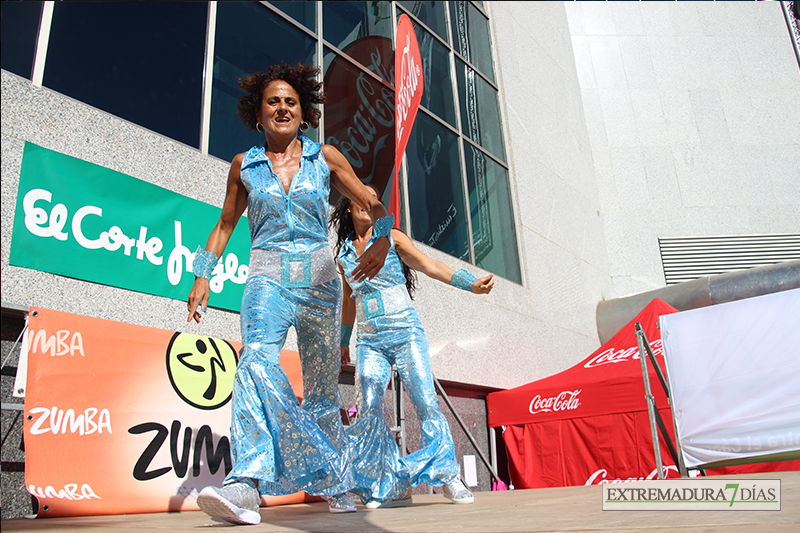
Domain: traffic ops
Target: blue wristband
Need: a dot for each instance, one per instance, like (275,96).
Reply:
(204,263)
(383,226)
(347,331)
(462,279)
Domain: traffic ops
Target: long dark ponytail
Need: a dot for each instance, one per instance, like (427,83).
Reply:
(341,222)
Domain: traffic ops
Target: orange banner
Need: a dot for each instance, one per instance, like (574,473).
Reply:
(128,419)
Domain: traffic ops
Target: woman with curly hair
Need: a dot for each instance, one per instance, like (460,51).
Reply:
(277,446)
(390,333)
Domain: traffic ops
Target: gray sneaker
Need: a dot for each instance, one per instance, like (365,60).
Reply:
(457,492)
(403,501)
(236,503)
(341,503)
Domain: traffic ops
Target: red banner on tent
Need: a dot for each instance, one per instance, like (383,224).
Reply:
(127,419)
(408,94)
(586,451)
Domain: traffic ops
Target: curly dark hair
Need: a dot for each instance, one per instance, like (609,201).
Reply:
(341,222)
(302,78)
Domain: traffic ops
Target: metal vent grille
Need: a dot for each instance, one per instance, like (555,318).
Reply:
(688,258)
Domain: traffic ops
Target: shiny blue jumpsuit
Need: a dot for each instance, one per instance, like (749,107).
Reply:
(390,332)
(292,281)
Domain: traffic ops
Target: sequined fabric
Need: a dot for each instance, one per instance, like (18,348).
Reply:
(341,503)
(390,275)
(204,263)
(383,226)
(284,445)
(462,279)
(294,269)
(293,222)
(395,338)
(382,302)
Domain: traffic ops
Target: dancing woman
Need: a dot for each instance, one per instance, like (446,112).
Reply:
(390,333)
(277,446)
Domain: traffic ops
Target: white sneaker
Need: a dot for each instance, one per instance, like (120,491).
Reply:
(341,503)
(236,503)
(402,501)
(457,492)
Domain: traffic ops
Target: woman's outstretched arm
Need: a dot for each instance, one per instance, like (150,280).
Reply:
(432,268)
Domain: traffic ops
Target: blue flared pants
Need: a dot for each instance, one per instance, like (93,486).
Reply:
(285,445)
(380,472)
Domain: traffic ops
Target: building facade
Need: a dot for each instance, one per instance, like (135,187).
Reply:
(556,144)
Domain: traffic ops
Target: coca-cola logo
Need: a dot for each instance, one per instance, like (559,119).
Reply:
(564,401)
(360,119)
(409,76)
(612,355)
(599,477)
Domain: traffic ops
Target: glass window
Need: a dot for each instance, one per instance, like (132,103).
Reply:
(20,29)
(346,22)
(431,14)
(437,93)
(493,235)
(359,116)
(386,198)
(249,39)
(303,12)
(480,112)
(471,36)
(142,61)
(435,191)
(372,52)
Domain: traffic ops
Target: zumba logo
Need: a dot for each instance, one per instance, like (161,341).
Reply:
(201,369)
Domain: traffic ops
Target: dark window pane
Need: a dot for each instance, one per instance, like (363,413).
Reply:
(431,14)
(435,191)
(249,39)
(480,114)
(346,22)
(303,12)
(493,233)
(20,29)
(141,61)
(359,115)
(471,36)
(437,94)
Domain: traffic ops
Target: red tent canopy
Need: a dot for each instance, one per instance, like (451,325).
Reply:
(589,424)
(607,382)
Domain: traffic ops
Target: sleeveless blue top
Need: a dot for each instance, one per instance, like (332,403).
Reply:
(390,275)
(293,222)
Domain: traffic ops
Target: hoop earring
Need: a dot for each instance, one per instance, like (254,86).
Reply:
(304,127)
(259,127)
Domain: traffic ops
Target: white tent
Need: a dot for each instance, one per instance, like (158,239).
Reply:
(734,371)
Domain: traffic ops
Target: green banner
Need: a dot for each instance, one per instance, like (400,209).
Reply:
(77,219)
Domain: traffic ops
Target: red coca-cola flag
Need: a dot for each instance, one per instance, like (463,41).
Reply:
(408,94)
